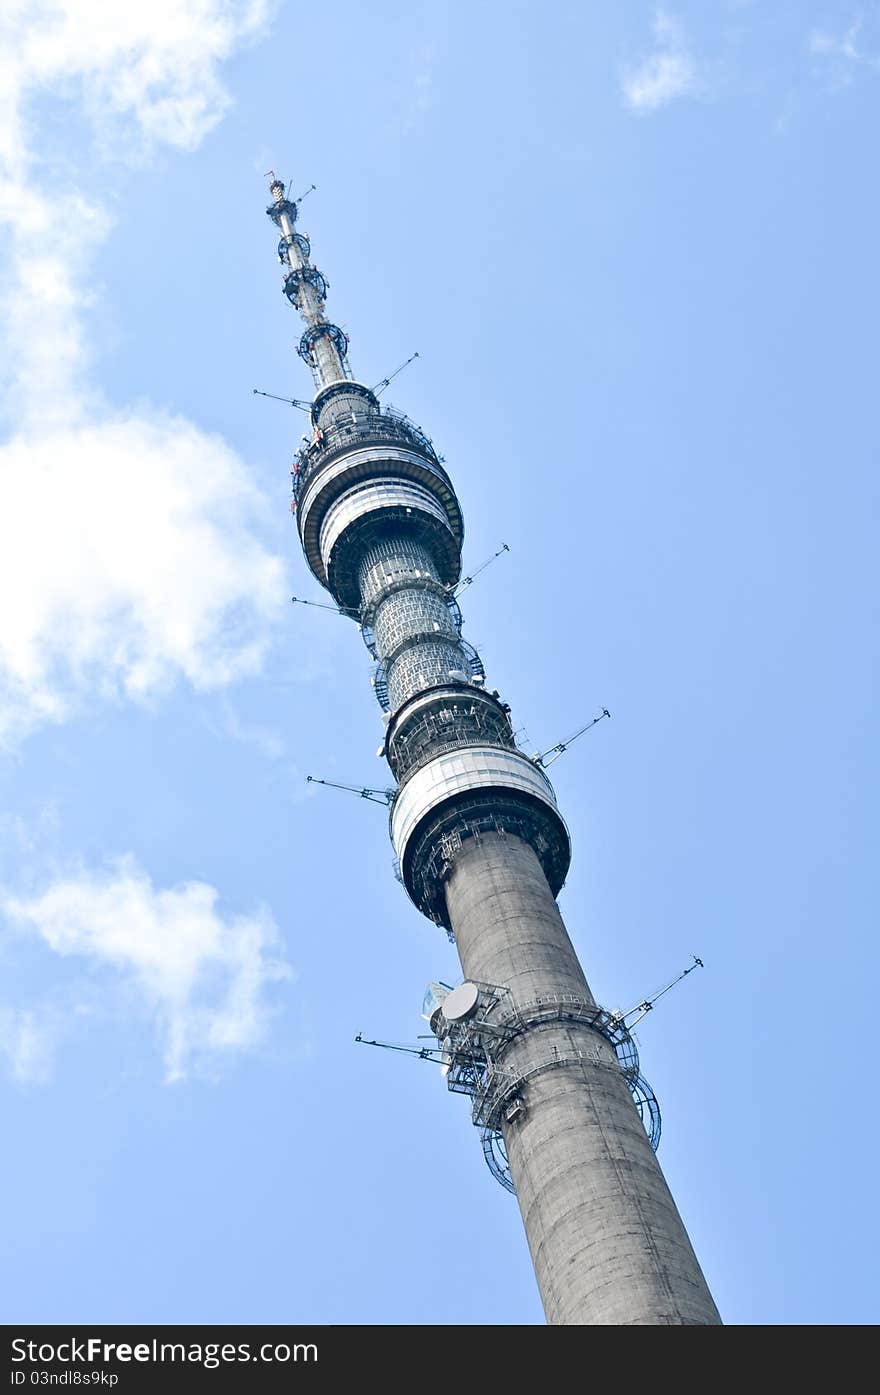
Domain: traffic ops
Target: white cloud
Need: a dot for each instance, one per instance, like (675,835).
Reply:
(417,93)
(423,62)
(666,73)
(201,976)
(850,52)
(155,63)
(128,556)
(269,743)
(126,560)
(28,1038)
(845,46)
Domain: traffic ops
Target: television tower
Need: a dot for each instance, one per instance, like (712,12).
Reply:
(564,1116)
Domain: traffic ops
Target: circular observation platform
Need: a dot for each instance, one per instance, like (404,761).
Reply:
(364,485)
(461,794)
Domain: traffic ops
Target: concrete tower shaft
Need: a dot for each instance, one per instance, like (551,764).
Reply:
(606,1239)
(483,851)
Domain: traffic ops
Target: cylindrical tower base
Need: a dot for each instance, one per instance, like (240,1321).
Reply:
(607,1242)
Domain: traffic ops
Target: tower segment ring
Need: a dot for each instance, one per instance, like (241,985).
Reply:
(414,707)
(461,702)
(351,390)
(331,480)
(405,583)
(362,460)
(412,641)
(444,786)
(363,513)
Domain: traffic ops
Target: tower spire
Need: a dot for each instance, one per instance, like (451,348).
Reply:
(323,346)
(566,1120)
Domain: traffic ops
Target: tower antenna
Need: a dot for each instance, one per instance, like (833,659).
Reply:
(642,1009)
(547,757)
(469,580)
(322,605)
(379,388)
(291,401)
(377,796)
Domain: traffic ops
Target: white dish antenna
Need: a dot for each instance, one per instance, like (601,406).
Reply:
(461,1002)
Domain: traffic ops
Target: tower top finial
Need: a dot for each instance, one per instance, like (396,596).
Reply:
(276,186)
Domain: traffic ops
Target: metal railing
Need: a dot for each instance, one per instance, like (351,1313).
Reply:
(476,1047)
(408,764)
(384,425)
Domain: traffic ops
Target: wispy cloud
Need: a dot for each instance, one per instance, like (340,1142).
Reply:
(844,45)
(28,1041)
(202,977)
(848,51)
(419,93)
(263,739)
(666,73)
(423,78)
(128,537)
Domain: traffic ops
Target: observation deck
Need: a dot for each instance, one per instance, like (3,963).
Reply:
(364,465)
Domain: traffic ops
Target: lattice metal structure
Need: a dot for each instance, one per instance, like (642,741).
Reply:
(482,849)
(476,1050)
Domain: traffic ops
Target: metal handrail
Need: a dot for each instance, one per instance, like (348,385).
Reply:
(385,425)
(455,743)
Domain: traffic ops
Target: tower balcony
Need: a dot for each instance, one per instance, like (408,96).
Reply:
(441,719)
(362,478)
(352,429)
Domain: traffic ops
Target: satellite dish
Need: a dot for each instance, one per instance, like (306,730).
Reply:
(461,1002)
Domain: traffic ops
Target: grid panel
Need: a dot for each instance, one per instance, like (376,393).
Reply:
(425,666)
(390,560)
(405,614)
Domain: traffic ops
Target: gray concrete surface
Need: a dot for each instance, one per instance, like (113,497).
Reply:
(607,1242)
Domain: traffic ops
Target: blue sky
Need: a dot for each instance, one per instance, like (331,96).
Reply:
(636,251)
